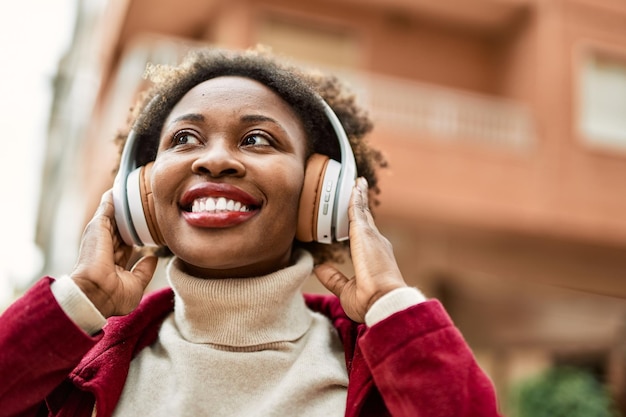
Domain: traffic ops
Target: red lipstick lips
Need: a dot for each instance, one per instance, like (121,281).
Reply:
(217,205)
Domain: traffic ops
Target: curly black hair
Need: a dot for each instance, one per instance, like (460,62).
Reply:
(299,87)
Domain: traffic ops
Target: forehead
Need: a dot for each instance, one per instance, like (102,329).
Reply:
(234,94)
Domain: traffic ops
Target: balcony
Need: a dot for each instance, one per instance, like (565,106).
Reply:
(445,114)
(482,15)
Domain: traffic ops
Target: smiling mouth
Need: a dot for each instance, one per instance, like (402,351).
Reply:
(217,205)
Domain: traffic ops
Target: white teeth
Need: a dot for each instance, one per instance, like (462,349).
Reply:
(217,204)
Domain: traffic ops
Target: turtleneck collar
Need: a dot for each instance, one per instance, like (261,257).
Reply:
(242,312)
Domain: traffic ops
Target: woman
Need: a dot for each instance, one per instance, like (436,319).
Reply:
(225,142)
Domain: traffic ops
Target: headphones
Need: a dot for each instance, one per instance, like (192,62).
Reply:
(322,211)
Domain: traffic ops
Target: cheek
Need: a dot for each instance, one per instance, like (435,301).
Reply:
(287,186)
(291,187)
(160,183)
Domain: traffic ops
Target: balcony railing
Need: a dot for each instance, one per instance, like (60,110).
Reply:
(443,113)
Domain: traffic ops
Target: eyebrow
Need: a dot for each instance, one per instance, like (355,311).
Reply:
(257,118)
(191,117)
(196,117)
(246,118)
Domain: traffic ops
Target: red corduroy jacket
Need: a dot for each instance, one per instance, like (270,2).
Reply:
(414,363)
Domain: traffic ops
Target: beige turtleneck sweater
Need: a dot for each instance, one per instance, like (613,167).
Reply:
(240,347)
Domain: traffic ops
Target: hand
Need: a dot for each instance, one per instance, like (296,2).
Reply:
(101,270)
(375,267)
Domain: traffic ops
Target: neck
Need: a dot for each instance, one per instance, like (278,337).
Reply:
(242,311)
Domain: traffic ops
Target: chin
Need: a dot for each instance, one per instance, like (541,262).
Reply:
(231,262)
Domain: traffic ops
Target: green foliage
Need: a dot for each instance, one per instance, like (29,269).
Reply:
(563,392)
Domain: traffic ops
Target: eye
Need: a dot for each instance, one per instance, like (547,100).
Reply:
(256,139)
(185,137)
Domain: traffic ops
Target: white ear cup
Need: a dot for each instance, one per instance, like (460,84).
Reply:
(328,184)
(137,209)
(120,201)
(342,223)
(122,219)
(327,196)
(346,179)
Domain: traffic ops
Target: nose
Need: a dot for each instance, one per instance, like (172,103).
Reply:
(218,159)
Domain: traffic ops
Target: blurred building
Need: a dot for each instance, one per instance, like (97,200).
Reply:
(503,121)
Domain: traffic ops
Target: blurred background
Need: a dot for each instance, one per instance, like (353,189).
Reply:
(503,121)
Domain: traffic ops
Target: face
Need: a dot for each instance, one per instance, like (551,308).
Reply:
(227,179)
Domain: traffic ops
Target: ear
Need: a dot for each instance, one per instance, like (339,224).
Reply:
(310,197)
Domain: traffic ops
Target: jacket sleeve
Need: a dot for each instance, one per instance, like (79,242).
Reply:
(422,366)
(39,345)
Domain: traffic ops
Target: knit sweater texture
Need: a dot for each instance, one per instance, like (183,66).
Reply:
(240,347)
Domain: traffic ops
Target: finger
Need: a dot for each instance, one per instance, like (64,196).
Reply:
(359,210)
(144,269)
(104,217)
(107,209)
(106,204)
(105,212)
(331,278)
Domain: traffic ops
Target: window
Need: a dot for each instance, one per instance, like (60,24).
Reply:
(310,42)
(603,100)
